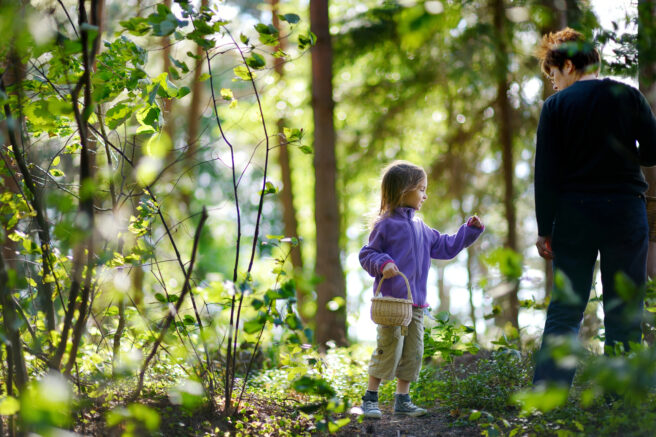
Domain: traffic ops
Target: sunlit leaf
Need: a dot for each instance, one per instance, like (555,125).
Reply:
(9,405)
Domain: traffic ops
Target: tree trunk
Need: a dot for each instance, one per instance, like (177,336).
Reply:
(509,303)
(13,128)
(193,122)
(647,83)
(442,289)
(82,260)
(330,322)
(558,13)
(287,192)
(15,361)
(167,103)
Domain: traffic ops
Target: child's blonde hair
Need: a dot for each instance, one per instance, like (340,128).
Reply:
(399,178)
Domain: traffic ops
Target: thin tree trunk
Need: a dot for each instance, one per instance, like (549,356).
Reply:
(330,322)
(647,83)
(287,192)
(14,75)
(558,12)
(470,287)
(193,122)
(443,291)
(86,180)
(167,103)
(15,360)
(509,303)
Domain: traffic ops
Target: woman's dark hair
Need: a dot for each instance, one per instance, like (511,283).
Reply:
(557,47)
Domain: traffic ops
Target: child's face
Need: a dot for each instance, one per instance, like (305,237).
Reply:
(415,198)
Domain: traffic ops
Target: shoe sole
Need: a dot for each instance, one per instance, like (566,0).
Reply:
(372,416)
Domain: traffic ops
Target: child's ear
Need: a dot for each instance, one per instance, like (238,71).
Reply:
(569,66)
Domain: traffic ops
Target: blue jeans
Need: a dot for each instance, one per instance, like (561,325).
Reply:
(615,226)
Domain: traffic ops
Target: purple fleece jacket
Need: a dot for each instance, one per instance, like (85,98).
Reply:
(407,241)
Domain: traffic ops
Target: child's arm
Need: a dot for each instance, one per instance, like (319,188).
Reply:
(448,246)
(372,256)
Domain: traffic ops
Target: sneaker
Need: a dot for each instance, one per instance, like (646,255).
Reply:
(370,409)
(403,405)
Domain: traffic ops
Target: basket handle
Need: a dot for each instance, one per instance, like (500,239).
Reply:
(407,284)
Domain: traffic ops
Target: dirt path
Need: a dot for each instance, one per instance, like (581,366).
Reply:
(433,424)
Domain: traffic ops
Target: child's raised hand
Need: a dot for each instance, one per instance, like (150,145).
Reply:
(475,221)
(390,270)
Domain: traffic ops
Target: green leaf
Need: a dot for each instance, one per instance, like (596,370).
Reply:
(279,54)
(118,114)
(56,172)
(541,399)
(160,297)
(203,77)
(474,416)
(243,38)
(255,325)
(180,64)
(146,415)
(9,405)
(293,134)
(164,22)
(243,73)
(183,91)
(306,41)
(268,34)
(256,61)
(174,73)
(148,117)
(306,149)
(334,426)
(290,18)
(137,26)
(226,94)
(317,386)
(189,320)
(270,188)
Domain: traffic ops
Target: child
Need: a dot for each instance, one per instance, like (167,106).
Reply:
(401,242)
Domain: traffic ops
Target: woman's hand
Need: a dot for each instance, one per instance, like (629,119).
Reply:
(475,222)
(544,247)
(390,270)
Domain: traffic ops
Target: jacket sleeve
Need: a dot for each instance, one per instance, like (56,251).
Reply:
(446,246)
(545,172)
(646,132)
(372,256)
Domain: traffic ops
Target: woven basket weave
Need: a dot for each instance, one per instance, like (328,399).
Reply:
(391,311)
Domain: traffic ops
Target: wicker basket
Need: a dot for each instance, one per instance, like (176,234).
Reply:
(391,311)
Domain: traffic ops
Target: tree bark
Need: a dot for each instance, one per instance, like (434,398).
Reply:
(167,103)
(15,360)
(287,193)
(442,289)
(509,303)
(558,13)
(193,122)
(647,84)
(84,251)
(330,322)
(14,75)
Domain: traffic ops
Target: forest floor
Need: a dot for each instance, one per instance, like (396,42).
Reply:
(437,423)
(262,418)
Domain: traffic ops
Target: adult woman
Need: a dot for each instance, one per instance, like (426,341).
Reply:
(589,195)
